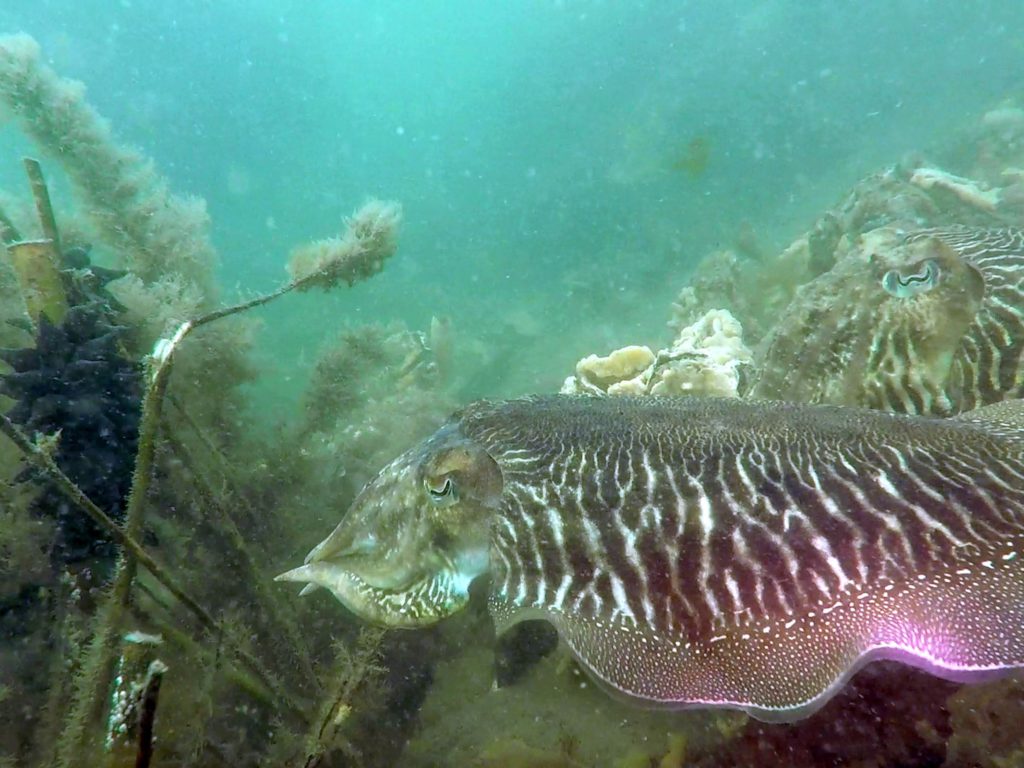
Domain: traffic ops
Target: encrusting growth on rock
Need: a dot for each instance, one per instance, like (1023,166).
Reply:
(707,358)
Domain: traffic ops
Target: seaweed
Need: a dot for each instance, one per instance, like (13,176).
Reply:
(164,303)
(156,235)
(371,389)
(355,672)
(156,231)
(78,742)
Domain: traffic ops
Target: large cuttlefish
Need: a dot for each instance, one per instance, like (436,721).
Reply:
(705,552)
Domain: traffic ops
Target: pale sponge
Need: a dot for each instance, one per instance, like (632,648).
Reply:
(707,358)
(624,372)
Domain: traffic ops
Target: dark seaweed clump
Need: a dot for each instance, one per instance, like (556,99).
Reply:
(76,383)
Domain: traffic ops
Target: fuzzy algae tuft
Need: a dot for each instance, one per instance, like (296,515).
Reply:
(155,231)
(371,237)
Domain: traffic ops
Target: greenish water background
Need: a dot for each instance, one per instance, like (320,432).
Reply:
(532,144)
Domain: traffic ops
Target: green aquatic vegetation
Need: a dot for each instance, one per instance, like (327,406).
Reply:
(275,616)
(78,742)
(156,231)
(155,234)
(167,309)
(370,385)
(99,667)
(356,672)
(22,537)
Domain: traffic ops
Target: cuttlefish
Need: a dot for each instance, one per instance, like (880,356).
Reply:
(928,322)
(700,552)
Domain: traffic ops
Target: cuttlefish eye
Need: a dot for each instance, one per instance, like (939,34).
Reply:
(904,286)
(441,491)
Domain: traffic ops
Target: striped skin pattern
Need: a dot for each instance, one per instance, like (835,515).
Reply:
(951,343)
(988,365)
(699,552)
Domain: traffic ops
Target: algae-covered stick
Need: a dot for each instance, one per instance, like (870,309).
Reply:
(38,263)
(38,273)
(44,208)
(147,717)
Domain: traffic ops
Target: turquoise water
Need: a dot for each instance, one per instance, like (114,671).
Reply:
(532,144)
(563,168)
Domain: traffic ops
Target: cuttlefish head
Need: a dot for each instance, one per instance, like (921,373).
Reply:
(415,536)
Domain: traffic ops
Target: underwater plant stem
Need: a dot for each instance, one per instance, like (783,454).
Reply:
(135,551)
(172,633)
(42,460)
(227,475)
(64,631)
(147,717)
(354,670)
(299,283)
(160,372)
(92,689)
(44,208)
(160,366)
